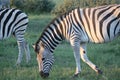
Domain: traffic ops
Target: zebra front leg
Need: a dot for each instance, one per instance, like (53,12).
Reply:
(27,51)
(84,57)
(20,54)
(75,46)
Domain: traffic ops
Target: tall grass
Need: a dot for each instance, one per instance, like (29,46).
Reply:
(106,56)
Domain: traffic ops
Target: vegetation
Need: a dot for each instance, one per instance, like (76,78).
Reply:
(72,4)
(106,56)
(57,6)
(34,6)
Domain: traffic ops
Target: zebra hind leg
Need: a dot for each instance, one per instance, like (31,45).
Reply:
(23,46)
(20,54)
(27,51)
(84,57)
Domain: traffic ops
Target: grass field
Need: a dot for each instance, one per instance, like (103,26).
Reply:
(106,56)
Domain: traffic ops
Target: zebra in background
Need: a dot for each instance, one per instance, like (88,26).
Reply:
(4,4)
(79,27)
(14,21)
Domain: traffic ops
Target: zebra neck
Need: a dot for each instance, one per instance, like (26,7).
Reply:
(56,31)
(50,44)
(51,38)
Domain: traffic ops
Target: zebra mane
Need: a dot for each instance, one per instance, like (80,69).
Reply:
(52,21)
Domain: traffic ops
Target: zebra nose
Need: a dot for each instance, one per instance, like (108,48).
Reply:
(44,75)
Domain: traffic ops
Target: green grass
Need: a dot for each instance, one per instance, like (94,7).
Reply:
(106,56)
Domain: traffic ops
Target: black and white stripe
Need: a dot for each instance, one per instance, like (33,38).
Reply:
(80,26)
(14,21)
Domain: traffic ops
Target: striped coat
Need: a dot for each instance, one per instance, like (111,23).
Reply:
(79,26)
(14,22)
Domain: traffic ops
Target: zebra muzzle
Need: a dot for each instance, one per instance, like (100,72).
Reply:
(44,75)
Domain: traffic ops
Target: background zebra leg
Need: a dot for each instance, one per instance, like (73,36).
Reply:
(20,54)
(27,51)
(84,57)
(76,50)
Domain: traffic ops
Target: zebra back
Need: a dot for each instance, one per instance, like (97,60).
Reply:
(101,24)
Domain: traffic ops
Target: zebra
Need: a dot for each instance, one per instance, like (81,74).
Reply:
(14,21)
(79,26)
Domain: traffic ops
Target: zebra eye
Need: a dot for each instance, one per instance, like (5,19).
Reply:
(43,59)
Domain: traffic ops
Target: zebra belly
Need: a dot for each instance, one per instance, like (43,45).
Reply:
(105,40)
(1,36)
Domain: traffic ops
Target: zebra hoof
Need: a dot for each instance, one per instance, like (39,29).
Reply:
(99,72)
(17,63)
(76,75)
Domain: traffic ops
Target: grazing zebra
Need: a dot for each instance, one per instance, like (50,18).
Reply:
(14,21)
(79,26)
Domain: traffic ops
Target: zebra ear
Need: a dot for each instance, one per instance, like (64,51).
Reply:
(42,44)
(36,48)
(33,45)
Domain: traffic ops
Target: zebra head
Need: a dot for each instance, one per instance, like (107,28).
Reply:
(45,59)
